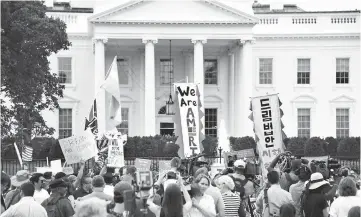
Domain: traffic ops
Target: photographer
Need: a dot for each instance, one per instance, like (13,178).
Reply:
(175,163)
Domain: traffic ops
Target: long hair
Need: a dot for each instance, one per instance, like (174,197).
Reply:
(173,202)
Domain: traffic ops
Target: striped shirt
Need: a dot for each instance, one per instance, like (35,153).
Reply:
(231,202)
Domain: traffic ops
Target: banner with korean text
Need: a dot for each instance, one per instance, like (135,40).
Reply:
(187,119)
(267,128)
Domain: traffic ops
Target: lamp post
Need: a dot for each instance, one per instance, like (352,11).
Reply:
(220,154)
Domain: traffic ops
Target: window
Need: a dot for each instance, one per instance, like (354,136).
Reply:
(342,70)
(64,70)
(265,71)
(124,126)
(342,122)
(304,122)
(211,122)
(210,72)
(166,71)
(123,70)
(65,123)
(166,128)
(303,71)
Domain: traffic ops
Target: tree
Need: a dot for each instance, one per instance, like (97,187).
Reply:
(29,37)
(296,145)
(315,146)
(349,147)
(332,144)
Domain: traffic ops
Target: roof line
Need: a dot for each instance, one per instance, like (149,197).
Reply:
(306,12)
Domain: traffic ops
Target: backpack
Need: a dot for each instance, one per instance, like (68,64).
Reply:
(239,186)
(51,207)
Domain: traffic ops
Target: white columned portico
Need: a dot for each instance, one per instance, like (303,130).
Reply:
(99,68)
(244,84)
(231,98)
(198,71)
(149,94)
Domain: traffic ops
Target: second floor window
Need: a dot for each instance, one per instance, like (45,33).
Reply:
(123,70)
(65,123)
(65,70)
(166,128)
(303,71)
(342,70)
(210,72)
(265,71)
(166,71)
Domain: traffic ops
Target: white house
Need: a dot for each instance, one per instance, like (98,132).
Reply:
(311,59)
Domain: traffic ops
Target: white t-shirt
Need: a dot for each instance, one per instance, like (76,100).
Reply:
(40,196)
(206,203)
(341,206)
(109,190)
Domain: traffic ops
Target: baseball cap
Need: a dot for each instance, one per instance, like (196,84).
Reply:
(57,183)
(239,164)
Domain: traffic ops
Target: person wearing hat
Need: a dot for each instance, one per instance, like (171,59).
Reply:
(58,200)
(14,196)
(314,203)
(98,184)
(286,178)
(27,206)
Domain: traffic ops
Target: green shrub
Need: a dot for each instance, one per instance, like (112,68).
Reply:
(296,145)
(210,145)
(331,147)
(241,143)
(349,147)
(315,146)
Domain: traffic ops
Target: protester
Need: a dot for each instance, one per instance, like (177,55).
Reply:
(93,207)
(109,188)
(14,196)
(346,200)
(5,184)
(203,204)
(354,212)
(287,210)
(98,189)
(175,163)
(231,200)
(117,209)
(172,204)
(129,175)
(85,188)
(48,176)
(296,190)
(27,206)
(314,203)
(58,204)
(286,178)
(270,200)
(40,193)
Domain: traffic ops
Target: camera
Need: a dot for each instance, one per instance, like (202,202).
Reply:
(144,180)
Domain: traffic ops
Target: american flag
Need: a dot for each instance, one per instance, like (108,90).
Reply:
(27,154)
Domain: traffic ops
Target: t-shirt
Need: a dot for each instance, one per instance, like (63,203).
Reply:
(63,204)
(296,193)
(217,197)
(231,202)
(314,205)
(41,195)
(80,193)
(206,203)
(341,206)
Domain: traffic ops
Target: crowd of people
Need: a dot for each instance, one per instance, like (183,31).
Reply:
(301,191)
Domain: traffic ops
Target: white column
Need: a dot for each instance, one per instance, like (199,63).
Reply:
(188,57)
(198,75)
(99,69)
(231,98)
(149,95)
(142,109)
(244,90)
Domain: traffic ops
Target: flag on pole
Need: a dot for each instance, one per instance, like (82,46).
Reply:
(111,86)
(27,153)
(92,121)
(18,154)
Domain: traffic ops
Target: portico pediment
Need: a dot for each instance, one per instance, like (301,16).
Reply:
(173,12)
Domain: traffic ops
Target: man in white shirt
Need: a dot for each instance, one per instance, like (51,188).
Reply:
(109,188)
(40,193)
(271,202)
(27,206)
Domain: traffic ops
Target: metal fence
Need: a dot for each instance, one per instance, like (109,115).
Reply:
(12,166)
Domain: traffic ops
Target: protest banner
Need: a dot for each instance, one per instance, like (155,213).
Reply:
(68,170)
(188,117)
(56,166)
(43,169)
(77,148)
(164,165)
(116,153)
(268,128)
(142,164)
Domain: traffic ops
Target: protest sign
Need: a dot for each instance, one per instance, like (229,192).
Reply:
(235,155)
(268,129)
(142,164)
(68,170)
(77,148)
(43,169)
(116,153)
(188,102)
(164,165)
(56,166)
